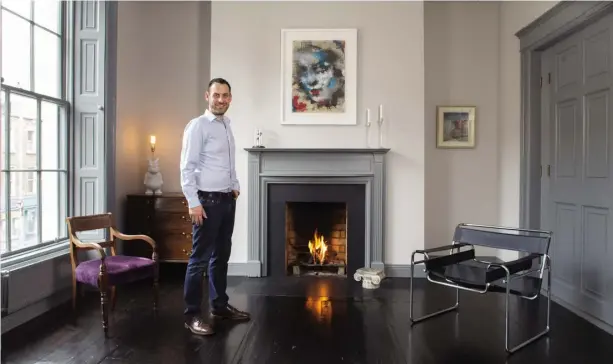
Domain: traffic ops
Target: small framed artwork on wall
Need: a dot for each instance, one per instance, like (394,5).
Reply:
(455,126)
(319,76)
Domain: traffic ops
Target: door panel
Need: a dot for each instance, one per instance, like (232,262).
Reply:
(580,186)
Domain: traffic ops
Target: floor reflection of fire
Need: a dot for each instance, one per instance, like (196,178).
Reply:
(321,308)
(319,303)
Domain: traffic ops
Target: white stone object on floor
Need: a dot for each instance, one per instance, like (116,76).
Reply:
(370,277)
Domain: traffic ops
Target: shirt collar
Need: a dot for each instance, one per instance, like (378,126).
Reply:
(211,117)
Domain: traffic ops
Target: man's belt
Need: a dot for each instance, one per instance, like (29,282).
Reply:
(214,194)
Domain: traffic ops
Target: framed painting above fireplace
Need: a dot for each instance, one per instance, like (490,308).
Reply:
(319,76)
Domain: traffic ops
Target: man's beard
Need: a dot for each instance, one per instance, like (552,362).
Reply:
(219,110)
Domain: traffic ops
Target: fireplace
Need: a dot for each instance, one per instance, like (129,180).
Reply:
(316,229)
(316,238)
(278,176)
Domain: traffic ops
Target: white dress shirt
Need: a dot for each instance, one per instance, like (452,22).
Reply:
(207,157)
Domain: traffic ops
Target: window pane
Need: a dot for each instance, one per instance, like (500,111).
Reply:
(23,132)
(21,7)
(23,215)
(53,205)
(47,50)
(47,14)
(16,57)
(53,131)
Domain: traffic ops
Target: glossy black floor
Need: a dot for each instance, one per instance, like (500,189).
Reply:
(300,320)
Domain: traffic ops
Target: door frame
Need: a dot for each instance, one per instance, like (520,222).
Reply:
(555,24)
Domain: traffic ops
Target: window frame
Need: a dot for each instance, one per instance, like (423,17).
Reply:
(66,75)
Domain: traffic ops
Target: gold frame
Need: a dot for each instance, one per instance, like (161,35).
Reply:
(440,111)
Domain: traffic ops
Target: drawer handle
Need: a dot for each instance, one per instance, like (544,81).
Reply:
(186,219)
(188,253)
(187,236)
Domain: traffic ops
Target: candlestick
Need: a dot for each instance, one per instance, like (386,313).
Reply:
(368,129)
(152,141)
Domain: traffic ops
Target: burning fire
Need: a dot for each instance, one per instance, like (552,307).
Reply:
(318,248)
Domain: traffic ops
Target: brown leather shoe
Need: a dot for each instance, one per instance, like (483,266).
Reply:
(230,313)
(198,327)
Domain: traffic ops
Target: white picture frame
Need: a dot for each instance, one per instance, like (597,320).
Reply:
(347,114)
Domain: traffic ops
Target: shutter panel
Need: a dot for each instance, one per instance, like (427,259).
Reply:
(89,94)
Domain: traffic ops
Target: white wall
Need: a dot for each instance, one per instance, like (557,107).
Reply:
(246,51)
(472,58)
(130,102)
(163,70)
(462,68)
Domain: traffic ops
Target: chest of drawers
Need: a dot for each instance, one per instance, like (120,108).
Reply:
(165,218)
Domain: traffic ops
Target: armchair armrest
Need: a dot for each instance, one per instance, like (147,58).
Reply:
(81,245)
(122,236)
(514,266)
(441,248)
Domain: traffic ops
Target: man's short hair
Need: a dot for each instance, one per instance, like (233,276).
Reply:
(220,81)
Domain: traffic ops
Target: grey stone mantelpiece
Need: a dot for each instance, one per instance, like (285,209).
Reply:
(311,166)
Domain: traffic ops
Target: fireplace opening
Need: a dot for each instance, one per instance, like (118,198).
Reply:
(316,238)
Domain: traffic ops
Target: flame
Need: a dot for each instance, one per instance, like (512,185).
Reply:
(318,248)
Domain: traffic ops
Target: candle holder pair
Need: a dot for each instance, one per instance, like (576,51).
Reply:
(375,139)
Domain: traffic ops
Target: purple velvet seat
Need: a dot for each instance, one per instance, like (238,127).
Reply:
(121,269)
(110,270)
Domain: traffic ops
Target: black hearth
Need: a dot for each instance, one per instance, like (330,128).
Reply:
(316,229)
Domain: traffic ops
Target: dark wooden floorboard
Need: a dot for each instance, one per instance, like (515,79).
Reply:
(308,320)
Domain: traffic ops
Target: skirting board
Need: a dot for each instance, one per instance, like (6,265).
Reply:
(252,269)
(34,310)
(594,321)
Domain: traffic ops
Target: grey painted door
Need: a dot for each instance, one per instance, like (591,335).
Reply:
(578,167)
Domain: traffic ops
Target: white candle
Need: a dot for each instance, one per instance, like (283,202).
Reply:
(381,112)
(368,116)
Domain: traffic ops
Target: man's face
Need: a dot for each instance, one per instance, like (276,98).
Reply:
(219,98)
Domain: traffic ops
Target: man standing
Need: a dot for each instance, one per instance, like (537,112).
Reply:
(209,183)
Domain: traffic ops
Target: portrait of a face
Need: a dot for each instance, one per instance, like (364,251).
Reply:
(318,76)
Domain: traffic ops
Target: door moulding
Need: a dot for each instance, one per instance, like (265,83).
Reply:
(559,22)
(555,24)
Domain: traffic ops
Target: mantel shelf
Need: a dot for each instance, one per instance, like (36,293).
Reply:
(319,150)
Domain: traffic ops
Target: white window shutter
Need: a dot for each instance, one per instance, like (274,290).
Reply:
(88,113)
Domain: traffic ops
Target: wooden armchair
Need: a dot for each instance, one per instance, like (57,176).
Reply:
(110,270)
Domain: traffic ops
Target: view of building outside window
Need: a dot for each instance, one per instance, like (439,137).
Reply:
(33,143)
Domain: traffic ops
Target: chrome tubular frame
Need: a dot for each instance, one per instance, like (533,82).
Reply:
(511,350)
(450,284)
(545,264)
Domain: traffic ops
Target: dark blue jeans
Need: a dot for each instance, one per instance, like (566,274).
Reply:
(211,245)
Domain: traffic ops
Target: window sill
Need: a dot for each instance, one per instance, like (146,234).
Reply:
(36,255)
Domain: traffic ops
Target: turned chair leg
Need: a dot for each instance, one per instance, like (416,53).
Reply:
(74,295)
(155,288)
(102,283)
(113,297)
